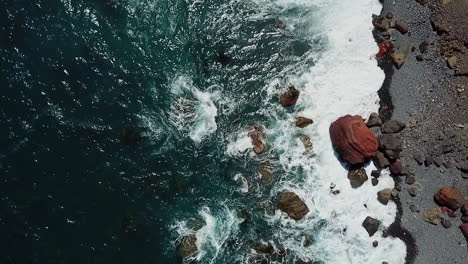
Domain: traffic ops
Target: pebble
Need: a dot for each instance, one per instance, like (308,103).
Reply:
(375,181)
(414,208)
(413,191)
(375,243)
(410,179)
(446,223)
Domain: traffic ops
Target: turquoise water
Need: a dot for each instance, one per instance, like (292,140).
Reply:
(73,73)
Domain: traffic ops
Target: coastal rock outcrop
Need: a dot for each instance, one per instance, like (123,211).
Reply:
(352,139)
(290,97)
(449,197)
(187,247)
(291,204)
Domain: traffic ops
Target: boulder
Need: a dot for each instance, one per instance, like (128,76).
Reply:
(449,197)
(357,177)
(464,230)
(290,97)
(303,121)
(258,140)
(384,196)
(291,204)
(187,247)
(396,168)
(374,120)
(371,225)
(432,215)
(380,161)
(352,139)
(401,26)
(398,58)
(393,126)
(390,146)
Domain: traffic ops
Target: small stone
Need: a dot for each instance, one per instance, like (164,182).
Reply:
(410,179)
(419,57)
(429,161)
(401,26)
(414,208)
(418,157)
(432,215)
(395,193)
(413,191)
(380,161)
(384,196)
(375,173)
(357,177)
(374,181)
(464,219)
(374,120)
(303,121)
(389,15)
(371,225)
(393,126)
(423,47)
(396,167)
(438,161)
(446,223)
(452,62)
(398,58)
(464,209)
(375,243)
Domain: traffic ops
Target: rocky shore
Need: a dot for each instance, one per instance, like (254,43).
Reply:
(424,53)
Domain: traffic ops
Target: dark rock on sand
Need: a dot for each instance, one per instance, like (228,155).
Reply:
(419,157)
(290,97)
(380,161)
(371,225)
(429,161)
(375,173)
(381,23)
(258,140)
(384,196)
(352,139)
(390,146)
(357,177)
(452,62)
(410,179)
(374,120)
(291,204)
(446,223)
(187,247)
(401,26)
(423,47)
(449,197)
(413,191)
(303,121)
(396,168)
(393,126)
(414,208)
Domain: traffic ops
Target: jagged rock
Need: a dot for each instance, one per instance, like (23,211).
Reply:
(396,168)
(423,47)
(381,23)
(398,58)
(264,248)
(380,161)
(265,173)
(452,62)
(303,121)
(432,215)
(187,247)
(375,181)
(413,191)
(371,225)
(291,204)
(401,26)
(390,146)
(357,177)
(374,120)
(258,140)
(384,196)
(410,179)
(393,126)
(352,139)
(290,97)
(449,197)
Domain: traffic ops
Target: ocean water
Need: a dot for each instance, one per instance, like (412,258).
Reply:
(74,73)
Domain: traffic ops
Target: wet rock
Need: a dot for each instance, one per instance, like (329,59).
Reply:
(410,179)
(401,26)
(396,192)
(187,247)
(265,172)
(280,25)
(446,223)
(381,23)
(375,243)
(432,215)
(413,191)
(384,196)
(452,62)
(264,248)
(300,261)
(380,161)
(290,97)
(130,135)
(429,161)
(371,225)
(374,120)
(223,58)
(308,240)
(393,126)
(375,181)
(414,208)
(464,229)
(291,204)
(398,58)
(390,146)
(449,197)
(357,176)
(423,47)
(352,139)
(418,157)
(258,140)
(375,173)
(396,168)
(303,121)
(306,142)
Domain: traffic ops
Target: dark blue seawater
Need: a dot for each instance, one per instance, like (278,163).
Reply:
(75,73)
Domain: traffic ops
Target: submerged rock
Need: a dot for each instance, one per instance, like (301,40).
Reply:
(258,140)
(306,142)
(449,197)
(265,173)
(290,97)
(291,204)
(371,225)
(303,121)
(187,247)
(357,177)
(384,196)
(352,139)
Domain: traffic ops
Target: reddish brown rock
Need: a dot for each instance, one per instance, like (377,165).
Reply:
(396,168)
(290,97)
(291,204)
(464,209)
(303,121)
(464,229)
(352,139)
(449,197)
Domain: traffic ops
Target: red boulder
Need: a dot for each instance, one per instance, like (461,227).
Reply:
(352,139)
(449,197)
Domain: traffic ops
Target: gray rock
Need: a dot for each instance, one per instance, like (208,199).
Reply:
(438,161)
(390,146)
(418,157)
(464,166)
(375,173)
(393,126)
(374,120)
(380,161)
(357,177)
(446,223)
(371,225)
(414,208)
